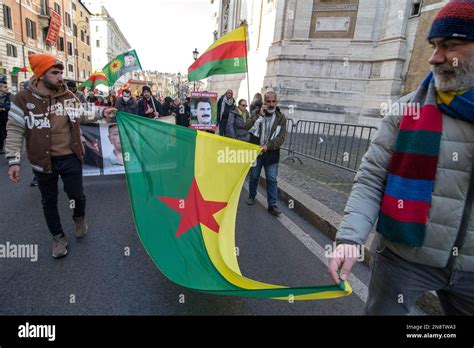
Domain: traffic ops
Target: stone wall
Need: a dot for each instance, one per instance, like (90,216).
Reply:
(337,60)
(419,66)
(339,79)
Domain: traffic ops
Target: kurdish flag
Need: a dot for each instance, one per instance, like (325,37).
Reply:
(15,70)
(184,188)
(97,78)
(120,65)
(227,55)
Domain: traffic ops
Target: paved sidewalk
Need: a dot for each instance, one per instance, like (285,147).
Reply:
(327,184)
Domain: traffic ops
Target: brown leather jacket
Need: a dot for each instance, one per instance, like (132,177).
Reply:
(32,116)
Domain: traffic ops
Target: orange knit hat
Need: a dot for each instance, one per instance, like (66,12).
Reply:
(40,63)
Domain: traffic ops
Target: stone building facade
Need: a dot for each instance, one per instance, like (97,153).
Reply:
(23,28)
(332,60)
(107,40)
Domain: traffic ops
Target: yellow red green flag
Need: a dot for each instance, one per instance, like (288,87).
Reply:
(184,188)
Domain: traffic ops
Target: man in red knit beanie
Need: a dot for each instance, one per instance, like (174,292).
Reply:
(416,183)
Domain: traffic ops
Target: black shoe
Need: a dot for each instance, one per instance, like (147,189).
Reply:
(274,210)
(34,182)
(251,201)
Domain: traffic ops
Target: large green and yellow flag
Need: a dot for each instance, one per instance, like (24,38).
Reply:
(120,65)
(184,188)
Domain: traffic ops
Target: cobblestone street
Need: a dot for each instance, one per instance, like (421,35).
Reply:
(326,183)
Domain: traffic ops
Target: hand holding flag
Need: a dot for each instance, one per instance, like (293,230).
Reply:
(109,113)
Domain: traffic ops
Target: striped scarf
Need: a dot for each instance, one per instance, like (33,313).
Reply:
(411,175)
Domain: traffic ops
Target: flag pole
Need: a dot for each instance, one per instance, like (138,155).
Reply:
(153,102)
(152,99)
(247,62)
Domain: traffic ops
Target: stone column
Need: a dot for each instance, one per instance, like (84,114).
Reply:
(280,18)
(289,19)
(303,14)
(398,12)
(366,19)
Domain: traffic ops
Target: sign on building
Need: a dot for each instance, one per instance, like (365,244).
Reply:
(54,27)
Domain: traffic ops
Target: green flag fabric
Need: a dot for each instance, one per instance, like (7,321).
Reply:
(184,187)
(120,65)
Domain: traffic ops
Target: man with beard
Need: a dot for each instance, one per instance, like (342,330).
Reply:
(267,128)
(47,114)
(148,106)
(204,112)
(417,181)
(130,64)
(224,105)
(72,86)
(91,98)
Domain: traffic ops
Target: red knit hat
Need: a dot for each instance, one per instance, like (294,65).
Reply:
(40,63)
(455,20)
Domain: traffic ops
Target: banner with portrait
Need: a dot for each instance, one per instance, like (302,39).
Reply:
(103,151)
(204,110)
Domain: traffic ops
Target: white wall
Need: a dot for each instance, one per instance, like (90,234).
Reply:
(261,27)
(99,54)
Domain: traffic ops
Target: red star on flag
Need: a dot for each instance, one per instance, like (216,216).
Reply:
(194,210)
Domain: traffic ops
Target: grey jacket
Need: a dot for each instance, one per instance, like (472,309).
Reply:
(236,126)
(448,199)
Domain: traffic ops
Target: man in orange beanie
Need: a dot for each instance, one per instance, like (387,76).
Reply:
(47,114)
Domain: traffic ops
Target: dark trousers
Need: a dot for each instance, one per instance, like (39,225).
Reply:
(396,285)
(222,126)
(69,168)
(3,130)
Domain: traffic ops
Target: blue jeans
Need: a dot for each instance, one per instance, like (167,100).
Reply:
(271,173)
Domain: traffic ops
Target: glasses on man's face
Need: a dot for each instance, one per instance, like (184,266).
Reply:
(244,106)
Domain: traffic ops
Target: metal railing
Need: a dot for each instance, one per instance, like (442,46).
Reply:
(338,144)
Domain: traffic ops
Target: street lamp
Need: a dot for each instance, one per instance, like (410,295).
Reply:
(195,56)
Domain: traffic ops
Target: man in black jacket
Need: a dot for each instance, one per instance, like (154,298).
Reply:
(72,86)
(126,103)
(148,106)
(167,107)
(224,105)
(182,112)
